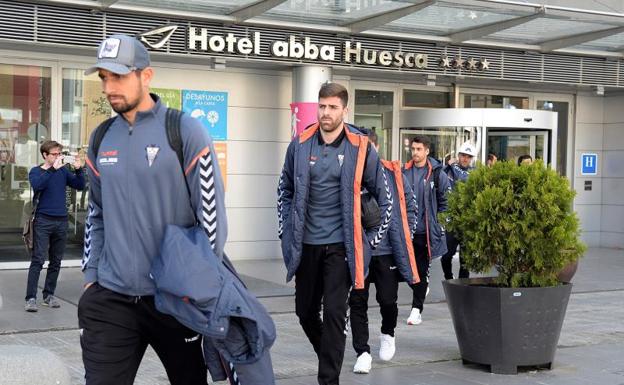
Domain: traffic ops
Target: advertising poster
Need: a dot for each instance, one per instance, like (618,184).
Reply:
(302,114)
(210,108)
(221,149)
(169,97)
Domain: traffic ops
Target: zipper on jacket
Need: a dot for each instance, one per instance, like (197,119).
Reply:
(130,130)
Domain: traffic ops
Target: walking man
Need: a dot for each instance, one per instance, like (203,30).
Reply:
(49,182)
(430,186)
(319,211)
(138,187)
(457,172)
(393,260)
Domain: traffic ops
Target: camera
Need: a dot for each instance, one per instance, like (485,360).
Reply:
(69,159)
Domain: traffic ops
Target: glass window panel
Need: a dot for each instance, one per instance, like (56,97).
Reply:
(612,43)
(219,7)
(494,101)
(562,130)
(84,108)
(446,18)
(426,99)
(444,140)
(543,29)
(373,110)
(330,12)
(25,93)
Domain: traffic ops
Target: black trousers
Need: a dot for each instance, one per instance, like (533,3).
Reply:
(447,259)
(384,274)
(423,262)
(50,237)
(323,278)
(115,331)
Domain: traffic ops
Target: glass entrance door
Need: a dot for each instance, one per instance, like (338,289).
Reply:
(510,145)
(444,140)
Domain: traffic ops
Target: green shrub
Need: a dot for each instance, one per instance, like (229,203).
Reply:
(518,219)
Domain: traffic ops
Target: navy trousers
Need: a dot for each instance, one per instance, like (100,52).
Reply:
(50,237)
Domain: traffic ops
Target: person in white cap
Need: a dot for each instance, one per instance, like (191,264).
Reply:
(457,172)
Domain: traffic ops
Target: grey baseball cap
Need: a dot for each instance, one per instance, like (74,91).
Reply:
(120,54)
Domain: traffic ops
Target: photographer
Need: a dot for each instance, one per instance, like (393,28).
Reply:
(49,181)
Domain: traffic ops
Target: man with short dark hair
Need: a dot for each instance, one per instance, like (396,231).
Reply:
(49,181)
(430,186)
(319,211)
(393,260)
(138,188)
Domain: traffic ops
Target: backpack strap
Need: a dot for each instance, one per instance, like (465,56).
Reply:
(436,177)
(98,136)
(172,125)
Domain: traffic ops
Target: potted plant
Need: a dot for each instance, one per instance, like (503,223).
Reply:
(519,220)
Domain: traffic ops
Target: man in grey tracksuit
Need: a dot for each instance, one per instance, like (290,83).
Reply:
(137,188)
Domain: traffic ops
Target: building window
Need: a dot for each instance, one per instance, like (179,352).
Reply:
(25,93)
(373,110)
(426,99)
(494,101)
(84,108)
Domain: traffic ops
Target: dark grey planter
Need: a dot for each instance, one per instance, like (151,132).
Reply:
(506,327)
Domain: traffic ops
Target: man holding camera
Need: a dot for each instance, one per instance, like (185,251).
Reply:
(49,181)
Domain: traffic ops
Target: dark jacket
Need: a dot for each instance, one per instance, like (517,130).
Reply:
(398,241)
(361,169)
(51,185)
(202,293)
(435,202)
(457,173)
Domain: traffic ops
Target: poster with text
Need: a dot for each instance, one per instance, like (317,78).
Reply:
(210,108)
(169,97)
(221,149)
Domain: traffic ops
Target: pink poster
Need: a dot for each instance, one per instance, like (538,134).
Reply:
(302,114)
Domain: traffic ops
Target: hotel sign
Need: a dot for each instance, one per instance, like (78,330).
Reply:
(302,48)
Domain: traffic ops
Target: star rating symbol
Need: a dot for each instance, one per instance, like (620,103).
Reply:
(471,64)
(485,64)
(458,62)
(445,62)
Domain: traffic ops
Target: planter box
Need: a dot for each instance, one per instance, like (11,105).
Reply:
(506,327)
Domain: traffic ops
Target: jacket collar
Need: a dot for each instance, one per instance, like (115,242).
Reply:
(140,115)
(336,142)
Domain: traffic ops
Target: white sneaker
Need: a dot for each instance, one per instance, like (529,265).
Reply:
(414,317)
(363,363)
(386,347)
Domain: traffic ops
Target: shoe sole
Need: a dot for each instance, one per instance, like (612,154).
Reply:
(32,310)
(413,323)
(52,307)
(361,371)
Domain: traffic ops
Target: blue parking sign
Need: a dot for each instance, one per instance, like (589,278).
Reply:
(589,164)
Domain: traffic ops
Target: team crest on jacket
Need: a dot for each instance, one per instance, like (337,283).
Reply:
(151,151)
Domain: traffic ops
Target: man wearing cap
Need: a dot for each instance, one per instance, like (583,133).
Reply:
(136,185)
(457,172)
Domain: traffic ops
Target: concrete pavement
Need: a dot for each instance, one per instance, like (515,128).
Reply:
(589,350)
